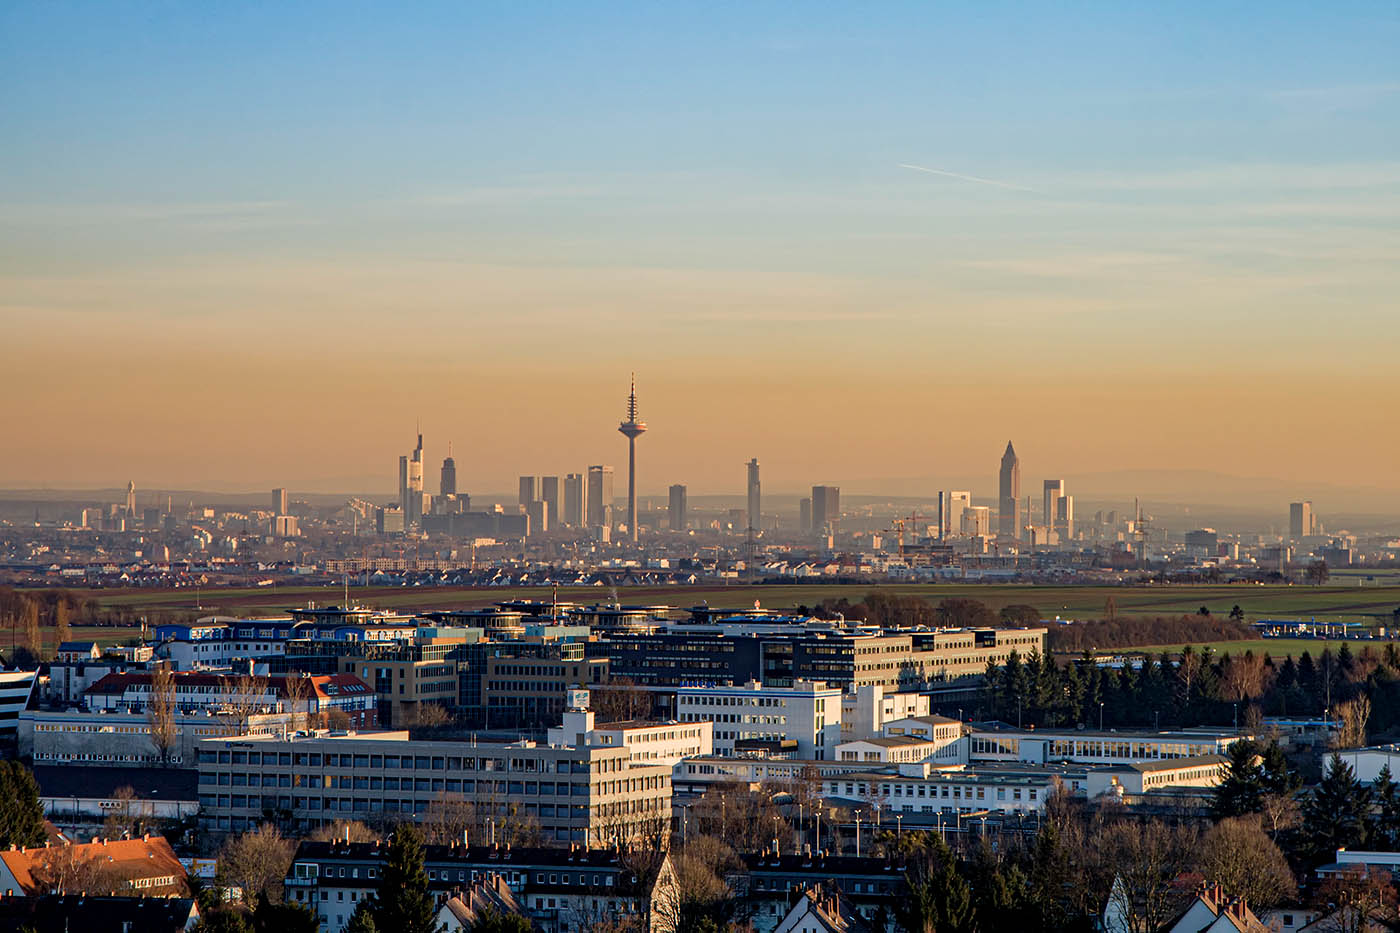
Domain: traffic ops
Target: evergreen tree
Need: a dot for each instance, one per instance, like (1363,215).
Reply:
(1242,789)
(1275,776)
(1385,826)
(402,903)
(938,899)
(492,921)
(1335,815)
(21,814)
(362,920)
(282,918)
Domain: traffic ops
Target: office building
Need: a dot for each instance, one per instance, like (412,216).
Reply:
(1009,501)
(977,521)
(279,502)
(538,513)
(403,484)
(131,499)
(591,795)
(529,490)
(958,502)
(632,429)
(676,512)
(447,485)
(1054,491)
(600,496)
(1301,523)
(826,507)
(1202,544)
(755,503)
(802,721)
(804,516)
(575,505)
(1064,518)
(550,491)
(414,516)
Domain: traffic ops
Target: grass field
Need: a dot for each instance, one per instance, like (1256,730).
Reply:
(1326,603)
(1273,647)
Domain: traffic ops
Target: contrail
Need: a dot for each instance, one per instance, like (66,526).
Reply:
(980,181)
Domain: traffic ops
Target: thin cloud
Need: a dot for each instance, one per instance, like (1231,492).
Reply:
(974,178)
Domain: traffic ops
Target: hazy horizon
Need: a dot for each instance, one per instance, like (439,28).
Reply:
(246,246)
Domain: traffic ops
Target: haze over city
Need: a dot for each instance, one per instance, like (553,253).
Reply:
(246,246)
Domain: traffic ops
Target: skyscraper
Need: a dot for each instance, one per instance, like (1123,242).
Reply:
(1009,506)
(677,510)
(959,501)
(826,507)
(529,490)
(549,492)
(804,516)
(755,504)
(447,485)
(414,515)
(279,502)
(1064,518)
(403,484)
(1054,491)
(600,495)
(575,504)
(632,429)
(131,498)
(1300,519)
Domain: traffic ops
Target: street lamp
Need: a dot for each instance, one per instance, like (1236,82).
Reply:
(899,825)
(857,834)
(1101,715)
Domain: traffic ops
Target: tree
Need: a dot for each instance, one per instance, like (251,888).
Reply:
(256,862)
(61,870)
(620,700)
(1020,615)
(224,920)
(297,691)
(1110,609)
(1385,829)
(283,918)
(127,818)
(29,623)
(362,920)
(1241,790)
(160,713)
(62,626)
(1335,815)
(1318,573)
(335,719)
(938,899)
(1145,860)
(1354,715)
(21,813)
(344,831)
(244,694)
(1237,614)
(494,921)
(431,716)
(1241,857)
(1356,900)
(402,903)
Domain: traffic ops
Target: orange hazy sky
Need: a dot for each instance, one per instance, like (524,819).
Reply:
(245,248)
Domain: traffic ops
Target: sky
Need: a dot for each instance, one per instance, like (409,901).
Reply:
(255,244)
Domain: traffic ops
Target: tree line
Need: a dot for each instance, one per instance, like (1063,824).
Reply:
(1200,688)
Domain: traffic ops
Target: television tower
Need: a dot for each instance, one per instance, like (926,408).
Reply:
(631,428)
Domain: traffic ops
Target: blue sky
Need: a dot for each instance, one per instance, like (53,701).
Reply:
(1180,186)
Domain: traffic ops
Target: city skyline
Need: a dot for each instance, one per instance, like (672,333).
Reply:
(1175,212)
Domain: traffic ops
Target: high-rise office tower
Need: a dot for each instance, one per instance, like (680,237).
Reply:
(755,503)
(977,521)
(403,484)
(131,498)
(447,485)
(529,490)
(1054,491)
(1300,519)
(826,507)
(804,516)
(279,502)
(538,512)
(414,516)
(677,509)
(959,501)
(1064,518)
(575,504)
(600,495)
(549,492)
(632,429)
(1009,506)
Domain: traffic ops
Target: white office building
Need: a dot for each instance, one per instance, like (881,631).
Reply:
(801,721)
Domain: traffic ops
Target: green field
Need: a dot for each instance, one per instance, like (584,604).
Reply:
(1273,647)
(1326,603)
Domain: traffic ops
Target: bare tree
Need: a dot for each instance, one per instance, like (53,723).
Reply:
(244,695)
(345,831)
(1281,811)
(129,817)
(1238,855)
(620,700)
(1357,900)
(1354,714)
(335,719)
(297,690)
(256,862)
(1145,860)
(449,819)
(62,870)
(431,716)
(160,713)
(62,624)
